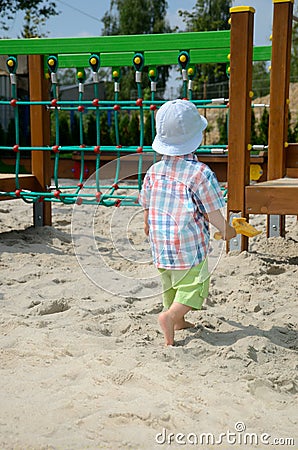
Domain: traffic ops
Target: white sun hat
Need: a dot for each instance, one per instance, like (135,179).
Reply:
(179,128)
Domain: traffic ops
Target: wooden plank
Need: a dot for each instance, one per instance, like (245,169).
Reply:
(274,197)
(240,108)
(293,173)
(279,89)
(292,156)
(7,182)
(40,129)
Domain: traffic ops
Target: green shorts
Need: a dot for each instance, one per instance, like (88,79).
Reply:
(189,287)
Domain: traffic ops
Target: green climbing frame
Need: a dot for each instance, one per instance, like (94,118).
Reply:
(184,49)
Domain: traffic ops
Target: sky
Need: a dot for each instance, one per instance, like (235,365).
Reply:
(83,18)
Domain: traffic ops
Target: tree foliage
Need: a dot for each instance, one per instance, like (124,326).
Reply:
(127,17)
(294,55)
(36,13)
(208,15)
(261,79)
(136,17)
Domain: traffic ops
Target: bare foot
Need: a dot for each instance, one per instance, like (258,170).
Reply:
(167,326)
(182,324)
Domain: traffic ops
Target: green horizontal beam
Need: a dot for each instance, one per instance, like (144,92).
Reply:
(262,53)
(111,44)
(153,58)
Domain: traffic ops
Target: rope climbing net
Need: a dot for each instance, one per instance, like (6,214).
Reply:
(115,52)
(107,195)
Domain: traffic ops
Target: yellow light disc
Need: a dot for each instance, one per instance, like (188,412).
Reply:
(10,62)
(190,71)
(93,61)
(51,62)
(249,147)
(137,60)
(115,73)
(182,58)
(229,69)
(251,94)
(151,73)
(80,75)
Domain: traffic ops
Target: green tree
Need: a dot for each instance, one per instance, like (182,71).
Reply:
(105,136)
(294,52)
(67,77)
(261,79)
(134,129)
(127,17)
(2,135)
(253,132)
(263,127)
(208,15)
(222,124)
(292,129)
(136,17)
(124,129)
(36,14)
(64,128)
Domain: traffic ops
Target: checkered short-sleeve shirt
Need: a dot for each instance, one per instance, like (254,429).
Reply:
(178,191)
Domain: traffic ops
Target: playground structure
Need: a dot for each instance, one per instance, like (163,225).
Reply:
(275,197)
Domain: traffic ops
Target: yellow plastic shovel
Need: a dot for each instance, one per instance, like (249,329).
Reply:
(241,227)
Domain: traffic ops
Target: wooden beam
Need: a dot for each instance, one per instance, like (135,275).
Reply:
(8,182)
(273,197)
(292,156)
(242,23)
(40,129)
(240,107)
(279,88)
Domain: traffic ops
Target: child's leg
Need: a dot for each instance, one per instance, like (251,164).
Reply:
(182,324)
(168,320)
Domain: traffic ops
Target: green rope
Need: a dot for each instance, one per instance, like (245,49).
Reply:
(17,136)
(110,197)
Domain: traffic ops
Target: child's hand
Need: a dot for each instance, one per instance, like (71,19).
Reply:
(227,234)
(230,233)
(146,229)
(146,222)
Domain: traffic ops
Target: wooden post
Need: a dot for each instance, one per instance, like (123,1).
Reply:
(40,135)
(279,96)
(242,23)
(279,87)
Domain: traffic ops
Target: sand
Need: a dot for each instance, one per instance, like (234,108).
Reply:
(83,364)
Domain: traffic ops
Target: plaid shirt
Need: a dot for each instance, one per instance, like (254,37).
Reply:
(178,191)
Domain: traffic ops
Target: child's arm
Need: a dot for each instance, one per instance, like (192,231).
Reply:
(216,219)
(146,224)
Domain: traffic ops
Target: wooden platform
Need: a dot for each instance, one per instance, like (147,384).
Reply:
(8,183)
(273,197)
